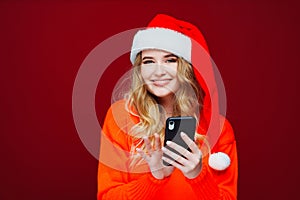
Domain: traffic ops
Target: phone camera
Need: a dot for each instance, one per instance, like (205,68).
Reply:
(171,125)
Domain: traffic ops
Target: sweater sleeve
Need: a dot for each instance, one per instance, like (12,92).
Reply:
(115,180)
(222,185)
(114,184)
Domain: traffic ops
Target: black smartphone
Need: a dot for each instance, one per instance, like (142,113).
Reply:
(176,125)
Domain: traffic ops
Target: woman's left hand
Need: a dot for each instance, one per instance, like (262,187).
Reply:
(191,164)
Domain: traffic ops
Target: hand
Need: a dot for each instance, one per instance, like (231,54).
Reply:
(191,164)
(153,157)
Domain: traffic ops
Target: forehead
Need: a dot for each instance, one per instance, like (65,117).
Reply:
(155,53)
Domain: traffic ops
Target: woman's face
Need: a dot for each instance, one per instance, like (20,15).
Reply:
(159,71)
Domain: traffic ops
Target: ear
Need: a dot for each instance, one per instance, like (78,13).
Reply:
(219,161)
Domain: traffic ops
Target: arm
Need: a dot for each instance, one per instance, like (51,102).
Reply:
(114,184)
(115,179)
(206,182)
(211,184)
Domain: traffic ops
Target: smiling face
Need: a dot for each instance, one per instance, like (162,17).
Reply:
(159,72)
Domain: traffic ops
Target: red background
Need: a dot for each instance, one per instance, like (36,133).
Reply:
(42,45)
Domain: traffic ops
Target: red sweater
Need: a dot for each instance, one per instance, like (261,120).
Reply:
(117,181)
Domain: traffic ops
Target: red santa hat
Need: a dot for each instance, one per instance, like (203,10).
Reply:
(167,33)
(180,38)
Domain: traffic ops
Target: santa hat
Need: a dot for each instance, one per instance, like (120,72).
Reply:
(180,38)
(167,33)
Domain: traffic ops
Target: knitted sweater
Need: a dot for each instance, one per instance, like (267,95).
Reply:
(116,180)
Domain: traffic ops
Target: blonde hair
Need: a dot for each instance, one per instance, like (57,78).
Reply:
(187,102)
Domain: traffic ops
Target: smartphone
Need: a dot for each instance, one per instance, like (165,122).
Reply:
(176,125)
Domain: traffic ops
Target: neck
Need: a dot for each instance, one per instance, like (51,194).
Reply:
(167,103)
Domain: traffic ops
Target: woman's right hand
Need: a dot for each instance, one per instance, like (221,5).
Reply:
(153,157)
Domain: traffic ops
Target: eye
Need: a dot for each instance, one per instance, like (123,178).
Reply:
(171,60)
(145,62)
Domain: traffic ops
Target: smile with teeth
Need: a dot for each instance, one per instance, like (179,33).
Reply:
(161,82)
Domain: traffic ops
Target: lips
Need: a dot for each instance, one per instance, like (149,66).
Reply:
(161,82)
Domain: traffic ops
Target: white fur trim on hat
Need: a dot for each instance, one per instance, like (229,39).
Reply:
(219,161)
(163,39)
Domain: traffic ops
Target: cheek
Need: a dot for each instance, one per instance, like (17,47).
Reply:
(172,70)
(143,74)
(146,72)
(176,85)
(177,82)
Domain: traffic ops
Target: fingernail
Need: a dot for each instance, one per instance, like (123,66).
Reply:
(168,142)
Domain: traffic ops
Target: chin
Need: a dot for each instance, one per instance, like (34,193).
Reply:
(162,94)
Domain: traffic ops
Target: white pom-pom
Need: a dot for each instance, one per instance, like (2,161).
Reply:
(219,161)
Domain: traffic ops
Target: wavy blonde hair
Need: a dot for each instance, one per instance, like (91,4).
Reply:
(188,101)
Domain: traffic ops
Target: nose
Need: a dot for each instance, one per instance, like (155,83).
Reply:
(160,70)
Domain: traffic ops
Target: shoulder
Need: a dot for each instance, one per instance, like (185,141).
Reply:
(117,111)
(120,108)
(118,105)
(117,124)
(226,132)
(224,139)
(119,118)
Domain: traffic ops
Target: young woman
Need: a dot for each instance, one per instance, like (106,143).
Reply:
(165,83)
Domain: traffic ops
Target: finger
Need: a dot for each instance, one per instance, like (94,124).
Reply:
(168,160)
(173,163)
(191,144)
(148,145)
(157,144)
(142,154)
(179,149)
(178,158)
(168,168)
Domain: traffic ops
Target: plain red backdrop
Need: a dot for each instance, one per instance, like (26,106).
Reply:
(42,45)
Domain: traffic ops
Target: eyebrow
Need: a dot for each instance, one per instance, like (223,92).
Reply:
(170,55)
(147,57)
(166,56)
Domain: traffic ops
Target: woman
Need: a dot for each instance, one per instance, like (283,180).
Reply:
(164,83)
